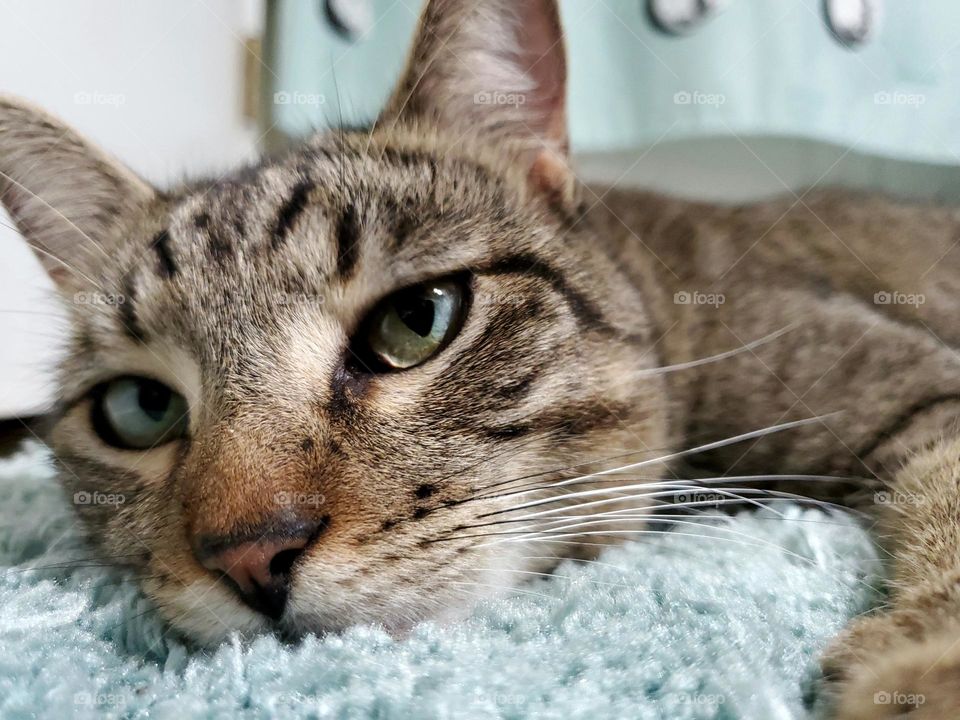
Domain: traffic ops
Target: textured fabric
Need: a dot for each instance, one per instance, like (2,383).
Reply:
(675,627)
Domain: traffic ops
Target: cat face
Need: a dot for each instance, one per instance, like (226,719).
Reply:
(342,386)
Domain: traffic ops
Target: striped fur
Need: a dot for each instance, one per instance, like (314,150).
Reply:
(578,355)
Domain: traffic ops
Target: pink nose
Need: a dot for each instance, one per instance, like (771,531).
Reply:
(256,564)
(261,568)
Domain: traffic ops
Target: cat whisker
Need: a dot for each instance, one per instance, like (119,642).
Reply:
(91,561)
(705,511)
(581,521)
(747,496)
(65,566)
(600,563)
(588,521)
(748,347)
(67,220)
(751,542)
(512,451)
(670,456)
(693,507)
(686,554)
(541,473)
(68,267)
(606,496)
(39,313)
(126,579)
(501,588)
(655,481)
(558,577)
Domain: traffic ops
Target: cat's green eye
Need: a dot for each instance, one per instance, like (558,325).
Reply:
(137,413)
(414,324)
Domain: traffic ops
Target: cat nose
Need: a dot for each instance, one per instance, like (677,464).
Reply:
(260,569)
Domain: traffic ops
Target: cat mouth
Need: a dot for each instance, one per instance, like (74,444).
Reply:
(261,571)
(268,600)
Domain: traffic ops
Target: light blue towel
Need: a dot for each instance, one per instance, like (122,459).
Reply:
(678,627)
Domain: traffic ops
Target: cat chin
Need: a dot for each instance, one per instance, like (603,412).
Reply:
(396,611)
(396,619)
(208,614)
(296,626)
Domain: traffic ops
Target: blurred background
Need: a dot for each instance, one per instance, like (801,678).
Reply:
(723,100)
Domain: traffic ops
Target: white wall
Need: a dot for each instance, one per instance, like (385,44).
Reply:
(156,82)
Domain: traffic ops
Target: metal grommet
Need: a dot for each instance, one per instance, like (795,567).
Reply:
(678,17)
(852,22)
(350,18)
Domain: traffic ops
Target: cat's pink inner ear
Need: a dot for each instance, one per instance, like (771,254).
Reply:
(494,69)
(550,174)
(68,198)
(540,39)
(543,61)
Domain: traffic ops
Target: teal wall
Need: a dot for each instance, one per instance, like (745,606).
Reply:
(311,59)
(762,67)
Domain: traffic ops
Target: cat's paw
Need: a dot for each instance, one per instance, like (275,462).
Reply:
(895,665)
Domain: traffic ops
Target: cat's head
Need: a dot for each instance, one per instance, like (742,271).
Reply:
(326,389)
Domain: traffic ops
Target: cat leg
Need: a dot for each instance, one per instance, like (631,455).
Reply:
(906,657)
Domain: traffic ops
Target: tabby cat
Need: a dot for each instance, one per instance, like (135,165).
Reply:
(405,366)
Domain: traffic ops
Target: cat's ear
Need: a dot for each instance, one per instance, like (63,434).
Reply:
(68,198)
(496,68)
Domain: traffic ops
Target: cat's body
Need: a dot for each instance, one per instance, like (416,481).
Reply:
(292,458)
(859,291)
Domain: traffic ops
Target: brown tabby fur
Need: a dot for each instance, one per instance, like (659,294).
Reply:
(243,293)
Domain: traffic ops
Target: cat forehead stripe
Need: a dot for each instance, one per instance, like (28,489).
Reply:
(161,246)
(219,246)
(348,240)
(128,313)
(289,212)
(527,264)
